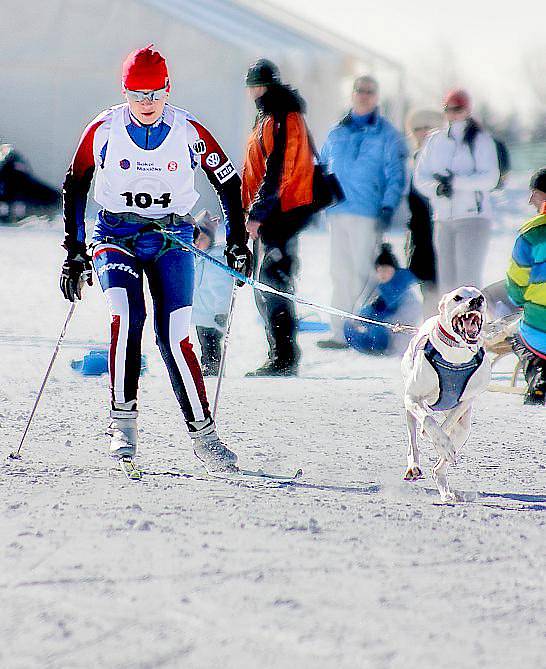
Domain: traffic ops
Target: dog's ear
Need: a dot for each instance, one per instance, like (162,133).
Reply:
(442,303)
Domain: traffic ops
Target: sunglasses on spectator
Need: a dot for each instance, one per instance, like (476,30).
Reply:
(422,128)
(365,91)
(139,96)
(454,108)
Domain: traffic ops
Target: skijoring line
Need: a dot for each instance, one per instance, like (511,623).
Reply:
(264,288)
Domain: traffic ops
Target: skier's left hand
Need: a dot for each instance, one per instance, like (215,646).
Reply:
(239,257)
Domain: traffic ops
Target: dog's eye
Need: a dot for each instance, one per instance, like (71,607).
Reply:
(457,298)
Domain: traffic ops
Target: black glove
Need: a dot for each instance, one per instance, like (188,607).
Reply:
(384,219)
(221,320)
(379,305)
(75,271)
(445,184)
(239,257)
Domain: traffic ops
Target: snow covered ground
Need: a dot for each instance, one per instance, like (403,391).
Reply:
(349,567)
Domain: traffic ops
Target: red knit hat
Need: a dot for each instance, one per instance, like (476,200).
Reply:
(457,97)
(145,69)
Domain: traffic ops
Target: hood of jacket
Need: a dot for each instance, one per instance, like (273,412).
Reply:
(280,99)
(347,120)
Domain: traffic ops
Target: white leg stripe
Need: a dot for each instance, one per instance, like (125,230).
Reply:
(179,329)
(118,304)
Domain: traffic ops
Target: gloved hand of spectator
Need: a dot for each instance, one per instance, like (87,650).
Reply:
(220,320)
(384,219)
(445,184)
(76,270)
(379,304)
(239,257)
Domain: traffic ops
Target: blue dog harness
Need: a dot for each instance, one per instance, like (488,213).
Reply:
(453,378)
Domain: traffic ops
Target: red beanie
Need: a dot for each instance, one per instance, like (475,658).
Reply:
(457,97)
(145,69)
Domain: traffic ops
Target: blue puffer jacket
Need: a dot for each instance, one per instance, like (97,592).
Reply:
(396,301)
(369,161)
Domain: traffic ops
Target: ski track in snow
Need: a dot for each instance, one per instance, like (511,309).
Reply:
(348,567)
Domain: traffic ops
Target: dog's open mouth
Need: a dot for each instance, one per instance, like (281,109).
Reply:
(468,326)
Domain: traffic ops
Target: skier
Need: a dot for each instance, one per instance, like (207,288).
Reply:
(144,153)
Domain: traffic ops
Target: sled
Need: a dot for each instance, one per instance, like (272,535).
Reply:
(498,343)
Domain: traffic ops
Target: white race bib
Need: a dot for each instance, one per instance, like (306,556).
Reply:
(151,183)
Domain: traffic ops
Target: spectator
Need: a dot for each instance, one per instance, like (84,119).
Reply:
(21,194)
(211,293)
(395,300)
(525,283)
(368,156)
(420,246)
(456,170)
(277,193)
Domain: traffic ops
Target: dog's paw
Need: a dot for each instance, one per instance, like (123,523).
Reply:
(448,497)
(413,473)
(440,439)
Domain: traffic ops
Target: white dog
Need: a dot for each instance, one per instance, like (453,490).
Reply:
(445,368)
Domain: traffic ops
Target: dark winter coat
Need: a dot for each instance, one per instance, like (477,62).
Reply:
(278,170)
(421,255)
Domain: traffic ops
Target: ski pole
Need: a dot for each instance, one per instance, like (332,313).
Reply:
(224,350)
(16,455)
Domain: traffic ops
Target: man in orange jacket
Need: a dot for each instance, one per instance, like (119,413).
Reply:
(277,193)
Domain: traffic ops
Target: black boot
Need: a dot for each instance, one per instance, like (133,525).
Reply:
(210,340)
(274,368)
(536,386)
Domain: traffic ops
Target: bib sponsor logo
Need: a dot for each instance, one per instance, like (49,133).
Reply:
(225,172)
(145,166)
(117,266)
(172,166)
(213,159)
(124,164)
(200,147)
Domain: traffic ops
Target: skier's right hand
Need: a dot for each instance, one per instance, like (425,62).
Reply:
(76,270)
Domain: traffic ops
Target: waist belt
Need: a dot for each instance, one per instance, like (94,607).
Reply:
(128,242)
(169,219)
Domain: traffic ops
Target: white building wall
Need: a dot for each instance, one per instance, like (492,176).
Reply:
(60,64)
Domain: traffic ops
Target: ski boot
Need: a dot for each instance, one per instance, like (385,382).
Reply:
(123,430)
(208,447)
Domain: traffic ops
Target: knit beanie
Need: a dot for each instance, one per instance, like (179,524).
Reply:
(387,257)
(145,69)
(457,97)
(263,73)
(207,223)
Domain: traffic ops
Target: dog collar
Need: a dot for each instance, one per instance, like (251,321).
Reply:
(445,337)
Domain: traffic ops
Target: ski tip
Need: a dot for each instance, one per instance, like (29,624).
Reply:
(127,466)
(298,474)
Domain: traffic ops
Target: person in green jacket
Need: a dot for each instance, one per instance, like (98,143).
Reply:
(526,287)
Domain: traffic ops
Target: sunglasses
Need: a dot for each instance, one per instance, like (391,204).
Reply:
(365,91)
(139,96)
(455,108)
(422,128)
